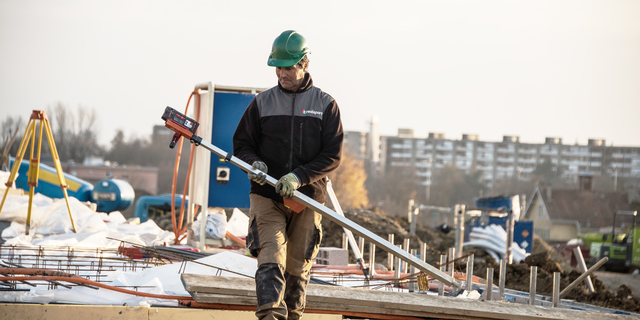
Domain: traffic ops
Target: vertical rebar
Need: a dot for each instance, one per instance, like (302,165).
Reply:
(345,242)
(372,259)
(443,268)
(410,211)
(533,279)
(412,283)
(397,266)
(489,289)
(469,273)
(509,242)
(503,275)
(556,289)
(459,229)
(412,226)
(406,248)
(451,257)
(390,255)
(423,251)
(361,246)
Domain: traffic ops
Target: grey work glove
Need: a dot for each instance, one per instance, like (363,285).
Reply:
(287,185)
(259,178)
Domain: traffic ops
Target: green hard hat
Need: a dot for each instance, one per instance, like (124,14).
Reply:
(288,49)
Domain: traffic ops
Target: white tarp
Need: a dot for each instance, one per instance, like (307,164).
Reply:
(164,280)
(51,227)
(493,239)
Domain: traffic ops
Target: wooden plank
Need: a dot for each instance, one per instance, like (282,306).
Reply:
(163,313)
(434,306)
(311,305)
(25,311)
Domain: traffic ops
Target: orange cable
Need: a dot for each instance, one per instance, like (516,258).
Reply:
(176,168)
(186,181)
(76,279)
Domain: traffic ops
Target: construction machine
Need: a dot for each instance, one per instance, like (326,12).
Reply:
(623,250)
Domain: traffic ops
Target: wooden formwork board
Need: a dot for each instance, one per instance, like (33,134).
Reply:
(209,289)
(24,311)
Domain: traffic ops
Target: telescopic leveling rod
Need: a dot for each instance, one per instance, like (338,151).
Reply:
(184,126)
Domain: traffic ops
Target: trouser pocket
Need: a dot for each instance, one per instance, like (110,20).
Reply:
(253,240)
(314,244)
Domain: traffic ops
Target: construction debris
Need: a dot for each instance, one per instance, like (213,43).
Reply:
(438,240)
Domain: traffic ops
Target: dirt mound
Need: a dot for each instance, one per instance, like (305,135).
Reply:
(381,224)
(518,278)
(438,241)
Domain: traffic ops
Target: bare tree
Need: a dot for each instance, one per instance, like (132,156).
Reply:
(76,136)
(451,186)
(11,133)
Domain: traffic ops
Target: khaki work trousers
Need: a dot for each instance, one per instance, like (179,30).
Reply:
(285,244)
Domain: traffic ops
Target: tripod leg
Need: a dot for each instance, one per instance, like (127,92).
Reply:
(56,161)
(17,162)
(34,169)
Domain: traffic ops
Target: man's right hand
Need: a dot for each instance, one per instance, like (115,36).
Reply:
(261,177)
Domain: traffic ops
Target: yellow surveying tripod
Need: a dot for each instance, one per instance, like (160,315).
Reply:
(34,164)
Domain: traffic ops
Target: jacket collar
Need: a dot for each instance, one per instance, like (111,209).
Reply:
(307,83)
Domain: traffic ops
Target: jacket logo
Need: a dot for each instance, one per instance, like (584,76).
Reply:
(317,113)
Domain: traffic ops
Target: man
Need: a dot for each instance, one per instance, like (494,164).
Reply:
(292,132)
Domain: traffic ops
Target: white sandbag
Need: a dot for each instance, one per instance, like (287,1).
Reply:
(238,224)
(216,227)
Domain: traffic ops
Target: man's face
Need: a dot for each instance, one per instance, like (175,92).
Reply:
(290,78)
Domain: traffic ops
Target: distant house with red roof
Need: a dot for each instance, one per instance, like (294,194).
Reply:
(560,214)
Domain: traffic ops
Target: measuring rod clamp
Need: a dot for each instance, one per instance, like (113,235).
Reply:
(196,140)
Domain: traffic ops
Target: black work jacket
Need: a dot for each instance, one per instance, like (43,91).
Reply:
(298,132)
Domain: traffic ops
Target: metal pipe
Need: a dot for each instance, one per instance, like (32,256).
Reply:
(489,288)
(412,284)
(443,267)
(583,276)
(410,211)
(372,259)
(356,250)
(533,279)
(459,219)
(389,254)
(361,246)
(583,267)
(508,250)
(556,289)
(423,251)
(397,261)
(469,272)
(345,241)
(451,257)
(412,225)
(503,276)
(405,246)
(334,217)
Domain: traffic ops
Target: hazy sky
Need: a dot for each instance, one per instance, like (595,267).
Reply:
(534,69)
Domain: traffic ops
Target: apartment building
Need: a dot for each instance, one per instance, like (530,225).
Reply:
(509,158)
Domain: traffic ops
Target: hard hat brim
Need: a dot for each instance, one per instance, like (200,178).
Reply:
(282,63)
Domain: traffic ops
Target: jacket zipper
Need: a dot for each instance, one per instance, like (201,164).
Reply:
(293,112)
(300,149)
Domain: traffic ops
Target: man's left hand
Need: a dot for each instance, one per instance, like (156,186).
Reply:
(287,185)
